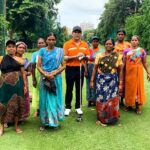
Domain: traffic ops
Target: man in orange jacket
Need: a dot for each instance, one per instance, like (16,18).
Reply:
(74,50)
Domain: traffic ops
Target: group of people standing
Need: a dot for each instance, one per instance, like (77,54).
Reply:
(109,71)
(118,74)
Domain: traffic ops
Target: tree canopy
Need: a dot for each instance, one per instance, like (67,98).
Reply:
(114,16)
(30,19)
(139,24)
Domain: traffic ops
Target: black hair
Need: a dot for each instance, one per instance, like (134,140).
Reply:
(112,40)
(121,30)
(136,37)
(10,42)
(51,34)
(40,39)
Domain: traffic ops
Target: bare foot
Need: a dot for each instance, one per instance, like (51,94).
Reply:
(102,124)
(138,112)
(1,131)
(35,114)
(18,130)
(98,122)
(5,125)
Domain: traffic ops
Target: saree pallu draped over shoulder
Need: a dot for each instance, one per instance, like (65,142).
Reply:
(134,77)
(51,105)
(11,90)
(107,102)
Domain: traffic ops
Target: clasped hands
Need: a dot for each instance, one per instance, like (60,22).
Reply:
(80,56)
(49,75)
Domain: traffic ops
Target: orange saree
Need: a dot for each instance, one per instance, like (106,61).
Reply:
(134,76)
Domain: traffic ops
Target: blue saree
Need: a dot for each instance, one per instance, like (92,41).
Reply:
(91,93)
(51,106)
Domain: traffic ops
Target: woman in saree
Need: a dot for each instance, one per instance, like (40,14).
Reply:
(107,66)
(50,65)
(12,88)
(134,59)
(94,51)
(36,78)
(20,50)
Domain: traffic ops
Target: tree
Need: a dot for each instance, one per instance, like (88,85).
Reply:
(3,26)
(114,16)
(88,34)
(30,19)
(139,24)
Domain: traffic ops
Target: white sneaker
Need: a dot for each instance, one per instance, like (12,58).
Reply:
(79,111)
(67,112)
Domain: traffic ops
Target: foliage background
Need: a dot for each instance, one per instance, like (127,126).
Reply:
(131,15)
(31,19)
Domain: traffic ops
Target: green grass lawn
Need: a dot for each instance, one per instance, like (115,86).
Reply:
(134,134)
